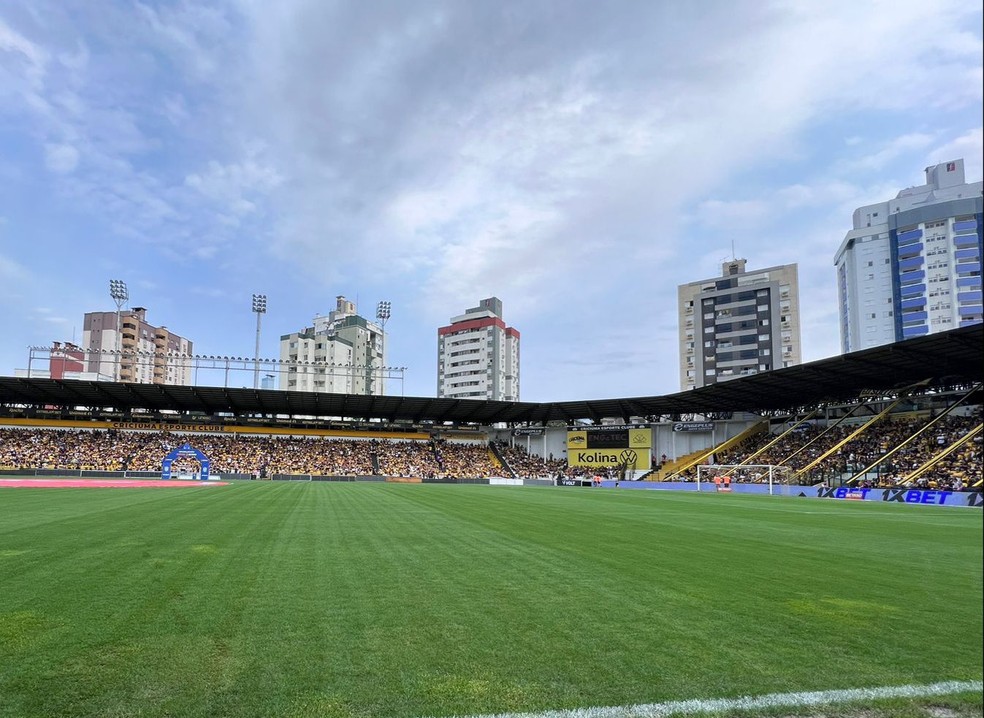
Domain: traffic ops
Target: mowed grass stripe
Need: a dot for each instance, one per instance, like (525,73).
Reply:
(314,599)
(129,593)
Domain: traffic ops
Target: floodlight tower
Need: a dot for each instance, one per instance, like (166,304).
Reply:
(260,307)
(120,295)
(383,310)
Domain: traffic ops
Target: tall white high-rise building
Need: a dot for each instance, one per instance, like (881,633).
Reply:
(738,324)
(478,355)
(341,353)
(911,266)
(133,350)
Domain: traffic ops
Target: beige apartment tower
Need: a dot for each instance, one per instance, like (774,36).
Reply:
(134,350)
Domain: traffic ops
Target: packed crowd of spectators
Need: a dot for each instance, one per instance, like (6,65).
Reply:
(267,456)
(409,459)
(798,449)
(110,450)
(524,465)
(458,461)
(85,450)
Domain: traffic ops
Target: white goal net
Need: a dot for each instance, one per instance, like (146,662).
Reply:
(723,477)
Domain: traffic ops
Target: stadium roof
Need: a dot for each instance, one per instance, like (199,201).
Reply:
(952,358)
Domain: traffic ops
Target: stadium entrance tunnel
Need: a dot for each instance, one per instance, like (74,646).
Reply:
(185,450)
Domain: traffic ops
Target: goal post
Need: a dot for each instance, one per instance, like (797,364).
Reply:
(720,477)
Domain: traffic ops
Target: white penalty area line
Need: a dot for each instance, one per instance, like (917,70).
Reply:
(773,700)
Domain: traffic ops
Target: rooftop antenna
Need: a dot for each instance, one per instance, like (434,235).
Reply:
(733,255)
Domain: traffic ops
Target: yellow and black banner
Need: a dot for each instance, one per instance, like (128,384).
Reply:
(598,446)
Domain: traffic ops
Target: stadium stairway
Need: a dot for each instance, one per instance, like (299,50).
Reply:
(671,466)
(499,459)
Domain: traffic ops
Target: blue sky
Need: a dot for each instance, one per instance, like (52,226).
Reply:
(578,160)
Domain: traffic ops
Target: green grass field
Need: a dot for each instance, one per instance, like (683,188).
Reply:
(316,599)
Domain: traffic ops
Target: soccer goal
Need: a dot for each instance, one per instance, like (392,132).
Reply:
(721,477)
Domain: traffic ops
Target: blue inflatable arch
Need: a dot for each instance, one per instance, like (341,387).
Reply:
(185,450)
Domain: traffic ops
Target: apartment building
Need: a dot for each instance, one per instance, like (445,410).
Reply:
(738,324)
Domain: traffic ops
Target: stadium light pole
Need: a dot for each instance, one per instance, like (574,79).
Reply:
(260,307)
(383,310)
(120,294)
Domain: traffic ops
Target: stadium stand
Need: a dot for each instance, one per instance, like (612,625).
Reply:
(891,450)
(523,465)
(111,450)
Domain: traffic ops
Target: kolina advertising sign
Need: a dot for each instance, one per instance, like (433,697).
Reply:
(610,446)
(630,458)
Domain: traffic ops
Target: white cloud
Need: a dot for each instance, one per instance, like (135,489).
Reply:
(61,159)
(15,43)
(193,35)
(228,185)
(175,109)
(77,60)
(523,152)
(889,151)
(723,214)
(969,147)
(91,115)
(11,271)
(824,193)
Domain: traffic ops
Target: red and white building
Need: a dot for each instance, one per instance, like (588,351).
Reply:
(65,362)
(60,361)
(478,355)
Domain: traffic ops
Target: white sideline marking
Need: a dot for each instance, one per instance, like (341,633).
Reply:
(775,700)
